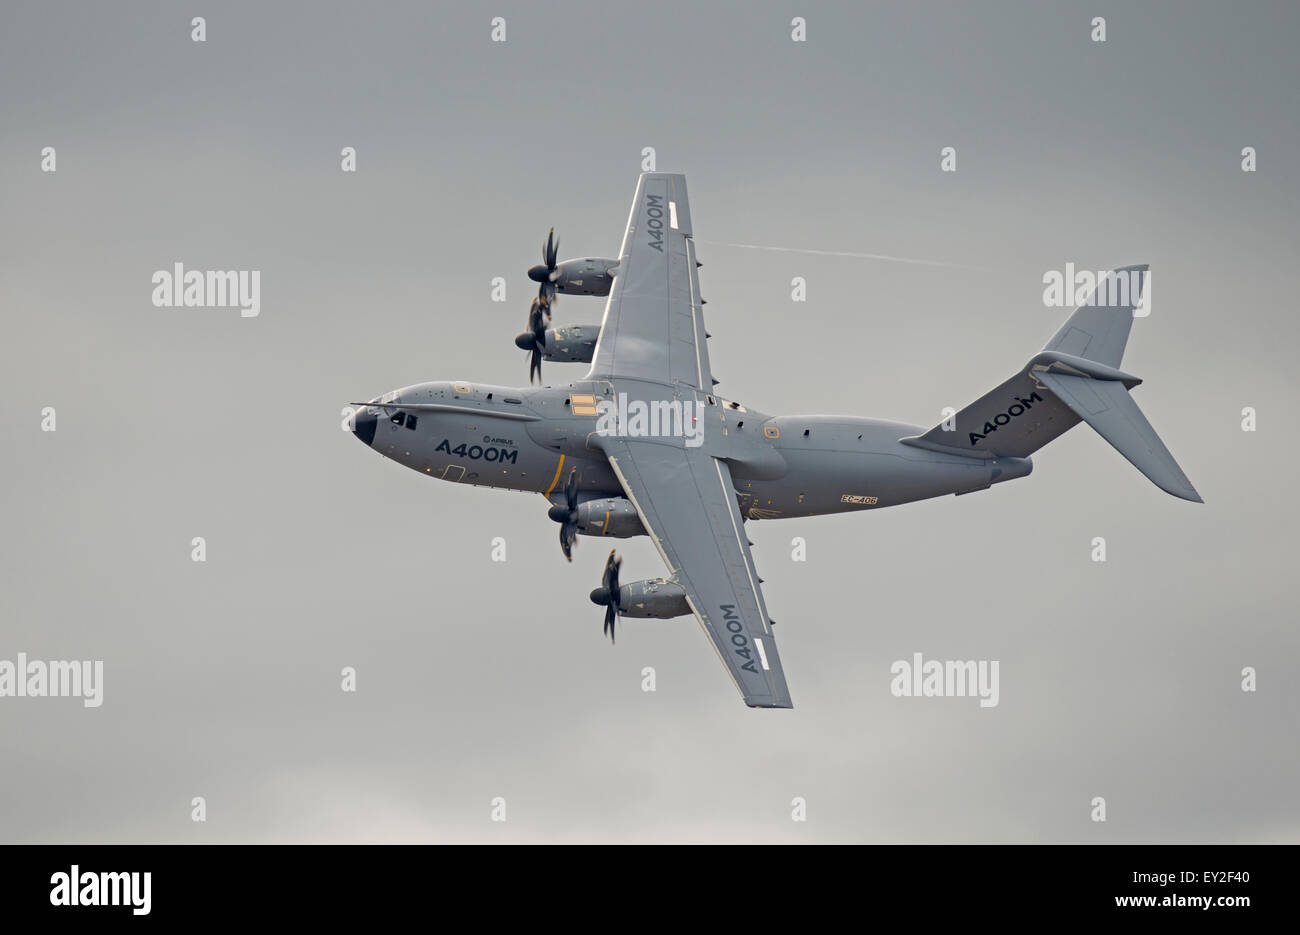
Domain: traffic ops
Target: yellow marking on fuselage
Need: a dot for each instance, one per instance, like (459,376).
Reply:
(556,479)
(605,528)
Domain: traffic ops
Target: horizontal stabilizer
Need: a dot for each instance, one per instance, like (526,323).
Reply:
(1107,406)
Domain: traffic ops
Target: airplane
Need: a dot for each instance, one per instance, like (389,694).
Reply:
(643,445)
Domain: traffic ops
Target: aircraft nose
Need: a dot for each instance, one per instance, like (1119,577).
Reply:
(364,424)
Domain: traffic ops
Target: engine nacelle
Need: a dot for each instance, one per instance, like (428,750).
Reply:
(590,276)
(575,344)
(615,517)
(657,597)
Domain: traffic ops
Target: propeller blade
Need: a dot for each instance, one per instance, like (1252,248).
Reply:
(547,272)
(535,320)
(611,615)
(567,517)
(571,490)
(551,251)
(535,340)
(609,591)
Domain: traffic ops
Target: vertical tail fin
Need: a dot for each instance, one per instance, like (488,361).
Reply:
(1098,329)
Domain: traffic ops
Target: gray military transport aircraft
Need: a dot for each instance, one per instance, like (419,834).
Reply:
(643,445)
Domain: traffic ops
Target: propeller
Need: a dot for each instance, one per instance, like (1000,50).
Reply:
(607,594)
(567,516)
(534,339)
(546,272)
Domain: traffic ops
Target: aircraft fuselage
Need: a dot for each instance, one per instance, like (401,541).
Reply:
(530,439)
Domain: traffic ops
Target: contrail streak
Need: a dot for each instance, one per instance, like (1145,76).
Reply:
(848,253)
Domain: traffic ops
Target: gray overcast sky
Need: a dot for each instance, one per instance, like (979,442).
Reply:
(480,679)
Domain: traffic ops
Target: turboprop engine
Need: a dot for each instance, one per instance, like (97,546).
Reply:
(615,517)
(657,597)
(609,516)
(588,276)
(575,344)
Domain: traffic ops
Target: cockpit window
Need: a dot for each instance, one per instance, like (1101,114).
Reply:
(410,421)
(398,418)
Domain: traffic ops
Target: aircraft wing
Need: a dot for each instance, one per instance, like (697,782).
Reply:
(687,503)
(653,328)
